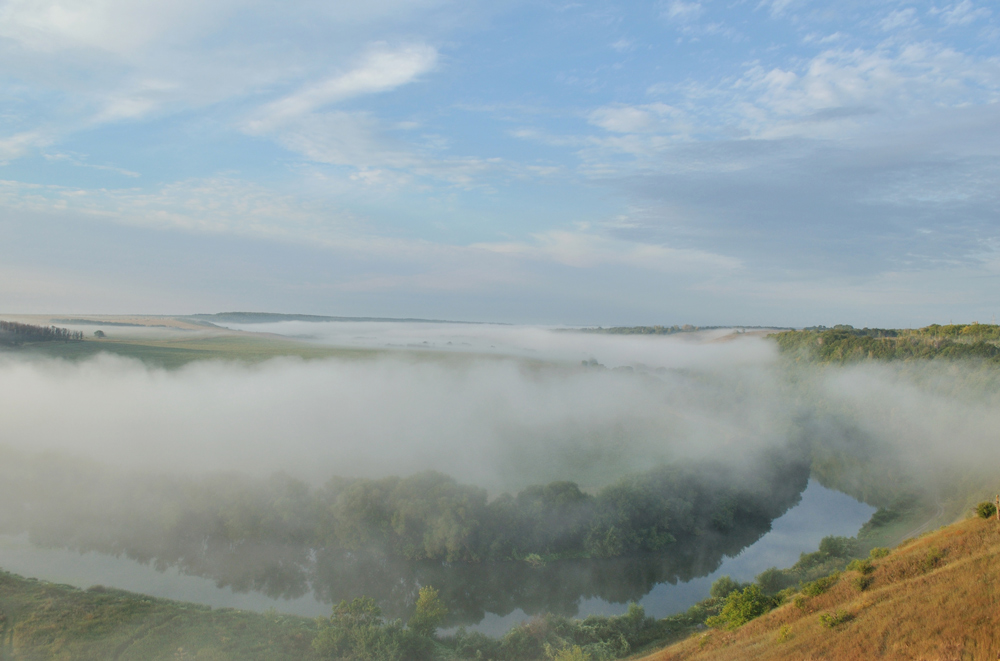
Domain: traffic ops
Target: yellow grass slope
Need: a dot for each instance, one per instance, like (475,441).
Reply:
(936,597)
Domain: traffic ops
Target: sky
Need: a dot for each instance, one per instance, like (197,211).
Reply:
(762,162)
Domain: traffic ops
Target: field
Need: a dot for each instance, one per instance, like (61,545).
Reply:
(40,620)
(172,342)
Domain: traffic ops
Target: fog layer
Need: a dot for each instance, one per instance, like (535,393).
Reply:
(501,421)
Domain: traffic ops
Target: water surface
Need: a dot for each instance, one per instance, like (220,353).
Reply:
(493,597)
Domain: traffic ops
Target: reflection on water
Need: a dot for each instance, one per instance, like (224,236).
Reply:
(491,596)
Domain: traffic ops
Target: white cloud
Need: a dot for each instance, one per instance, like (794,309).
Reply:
(777,7)
(961,13)
(214,205)
(18,144)
(899,19)
(623,45)
(838,86)
(622,118)
(678,10)
(78,161)
(137,100)
(582,249)
(118,26)
(344,138)
(381,69)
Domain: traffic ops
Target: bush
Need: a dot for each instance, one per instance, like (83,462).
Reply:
(931,560)
(556,637)
(878,552)
(862,583)
(838,547)
(830,620)
(986,510)
(357,632)
(861,566)
(575,653)
(741,607)
(820,585)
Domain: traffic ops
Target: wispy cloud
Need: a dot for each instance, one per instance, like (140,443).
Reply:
(380,70)
(17,145)
(621,118)
(78,161)
(961,13)
(678,10)
(587,249)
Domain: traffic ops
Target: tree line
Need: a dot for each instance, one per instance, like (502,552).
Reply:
(13,333)
(846,344)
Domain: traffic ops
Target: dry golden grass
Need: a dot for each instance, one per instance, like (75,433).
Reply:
(933,598)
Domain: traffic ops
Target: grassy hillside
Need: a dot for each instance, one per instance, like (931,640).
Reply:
(934,597)
(40,620)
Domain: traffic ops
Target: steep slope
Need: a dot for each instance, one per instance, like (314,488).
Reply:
(935,597)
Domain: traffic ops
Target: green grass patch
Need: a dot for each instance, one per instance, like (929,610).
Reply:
(835,618)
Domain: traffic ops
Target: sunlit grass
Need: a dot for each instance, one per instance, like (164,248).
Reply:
(933,597)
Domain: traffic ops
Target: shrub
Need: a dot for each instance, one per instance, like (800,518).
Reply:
(862,583)
(838,547)
(878,552)
(820,585)
(931,560)
(575,653)
(783,633)
(741,607)
(534,560)
(357,632)
(830,620)
(723,587)
(861,566)
(986,510)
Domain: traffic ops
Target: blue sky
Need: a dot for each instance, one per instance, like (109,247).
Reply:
(785,162)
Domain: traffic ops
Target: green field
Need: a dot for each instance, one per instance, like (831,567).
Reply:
(40,620)
(172,353)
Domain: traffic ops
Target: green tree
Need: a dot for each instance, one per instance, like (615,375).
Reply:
(429,613)
(723,587)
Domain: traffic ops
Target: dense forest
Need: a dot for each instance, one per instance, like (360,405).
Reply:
(13,333)
(846,344)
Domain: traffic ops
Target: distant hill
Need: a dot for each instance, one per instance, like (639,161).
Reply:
(933,597)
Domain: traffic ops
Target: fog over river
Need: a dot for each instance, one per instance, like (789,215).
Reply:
(495,407)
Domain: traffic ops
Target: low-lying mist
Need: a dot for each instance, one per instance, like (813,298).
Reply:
(523,410)
(374,473)
(500,422)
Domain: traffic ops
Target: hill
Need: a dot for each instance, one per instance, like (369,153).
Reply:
(40,620)
(934,597)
